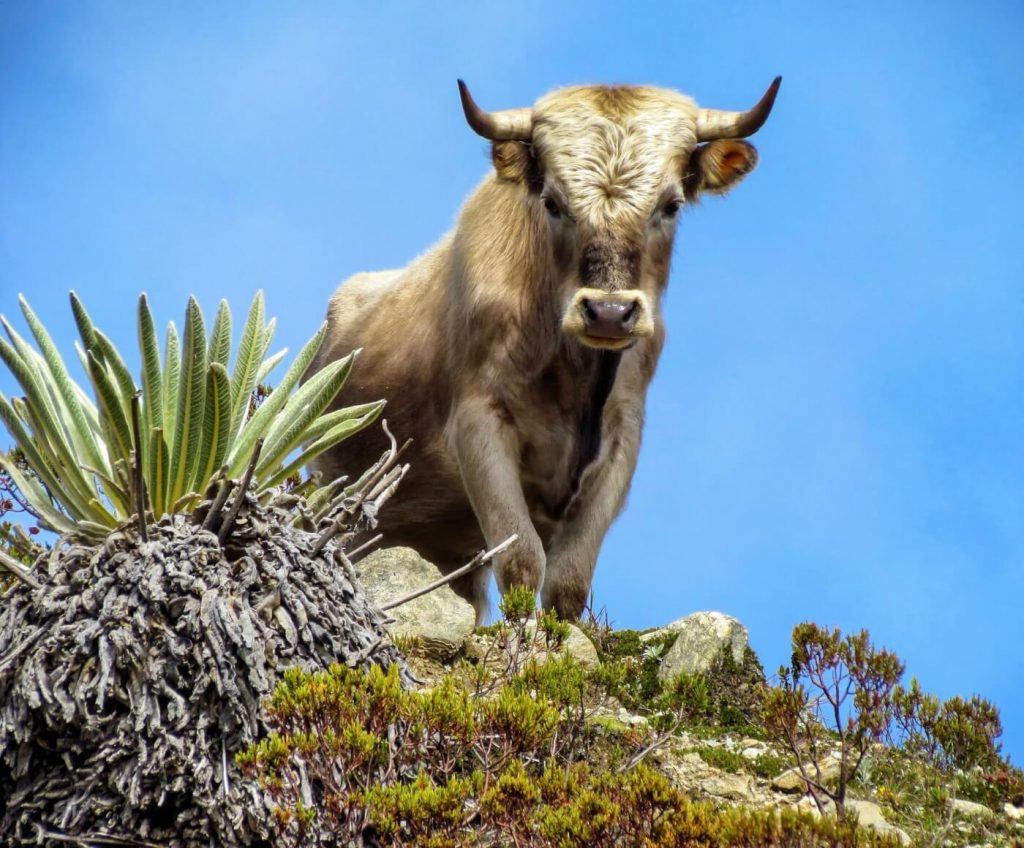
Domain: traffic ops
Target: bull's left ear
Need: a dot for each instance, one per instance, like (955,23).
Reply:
(515,163)
(717,166)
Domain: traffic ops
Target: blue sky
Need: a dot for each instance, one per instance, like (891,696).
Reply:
(835,431)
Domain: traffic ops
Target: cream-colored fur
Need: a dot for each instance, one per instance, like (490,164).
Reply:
(522,423)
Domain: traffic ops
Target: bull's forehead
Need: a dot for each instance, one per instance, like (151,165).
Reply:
(612,149)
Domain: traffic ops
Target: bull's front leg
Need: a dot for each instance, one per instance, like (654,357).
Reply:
(572,551)
(487,450)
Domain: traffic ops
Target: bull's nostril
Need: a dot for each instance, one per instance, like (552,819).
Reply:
(588,310)
(631,316)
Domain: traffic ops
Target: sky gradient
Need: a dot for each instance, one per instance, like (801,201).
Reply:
(835,430)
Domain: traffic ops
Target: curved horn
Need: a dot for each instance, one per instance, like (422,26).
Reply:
(717,123)
(507,125)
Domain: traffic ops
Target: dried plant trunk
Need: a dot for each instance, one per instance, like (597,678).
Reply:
(131,677)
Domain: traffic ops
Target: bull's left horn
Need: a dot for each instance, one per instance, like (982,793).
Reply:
(507,125)
(717,123)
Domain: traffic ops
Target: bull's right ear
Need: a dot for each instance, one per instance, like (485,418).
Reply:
(515,162)
(718,166)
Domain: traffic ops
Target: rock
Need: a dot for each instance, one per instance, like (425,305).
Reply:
(970,809)
(729,787)
(869,815)
(806,804)
(439,622)
(580,648)
(576,645)
(701,638)
(791,781)
(1015,813)
(688,771)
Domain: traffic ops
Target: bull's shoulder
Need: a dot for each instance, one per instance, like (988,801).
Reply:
(362,290)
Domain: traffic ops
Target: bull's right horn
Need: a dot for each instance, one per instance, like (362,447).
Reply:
(507,125)
(718,123)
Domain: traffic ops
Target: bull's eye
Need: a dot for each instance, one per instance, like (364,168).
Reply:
(671,209)
(552,207)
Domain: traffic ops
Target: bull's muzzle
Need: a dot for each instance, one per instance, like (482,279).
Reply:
(608,320)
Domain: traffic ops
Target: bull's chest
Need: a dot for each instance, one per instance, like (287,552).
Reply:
(564,430)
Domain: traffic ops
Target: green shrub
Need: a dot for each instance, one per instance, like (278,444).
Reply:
(724,759)
(841,692)
(390,767)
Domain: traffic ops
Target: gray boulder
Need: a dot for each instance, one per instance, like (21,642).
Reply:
(792,781)
(438,623)
(971,809)
(869,815)
(702,636)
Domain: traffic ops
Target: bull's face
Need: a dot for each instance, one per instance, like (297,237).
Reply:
(609,169)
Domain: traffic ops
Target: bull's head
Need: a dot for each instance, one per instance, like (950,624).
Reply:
(610,168)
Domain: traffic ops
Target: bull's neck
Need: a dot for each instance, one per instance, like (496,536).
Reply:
(502,260)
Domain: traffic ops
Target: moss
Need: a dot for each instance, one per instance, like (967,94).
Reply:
(768,765)
(723,758)
(637,663)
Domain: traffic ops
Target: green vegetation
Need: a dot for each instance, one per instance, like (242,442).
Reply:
(842,699)
(522,746)
(519,765)
(88,463)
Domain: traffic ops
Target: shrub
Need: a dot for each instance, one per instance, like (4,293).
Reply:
(355,759)
(843,693)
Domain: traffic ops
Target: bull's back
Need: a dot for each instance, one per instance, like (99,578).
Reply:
(392,316)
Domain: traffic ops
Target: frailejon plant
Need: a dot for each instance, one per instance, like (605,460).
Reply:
(191,564)
(188,419)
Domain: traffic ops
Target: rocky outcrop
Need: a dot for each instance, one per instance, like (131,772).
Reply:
(869,815)
(689,772)
(792,781)
(438,623)
(701,638)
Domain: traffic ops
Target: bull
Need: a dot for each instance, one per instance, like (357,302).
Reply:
(519,349)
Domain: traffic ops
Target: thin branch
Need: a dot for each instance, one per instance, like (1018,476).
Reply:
(384,467)
(377,475)
(472,565)
(656,743)
(369,543)
(88,839)
(140,484)
(229,521)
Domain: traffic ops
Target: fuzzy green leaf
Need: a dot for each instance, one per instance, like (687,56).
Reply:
(220,336)
(269,365)
(82,433)
(302,410)
(261,420)
(86,328)
(156,477)
(112,417)
(333,437)
(250,350)
(172,373)
(216,425)
(188,427)
(49,517)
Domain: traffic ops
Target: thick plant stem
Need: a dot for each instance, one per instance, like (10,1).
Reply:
(229,520)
